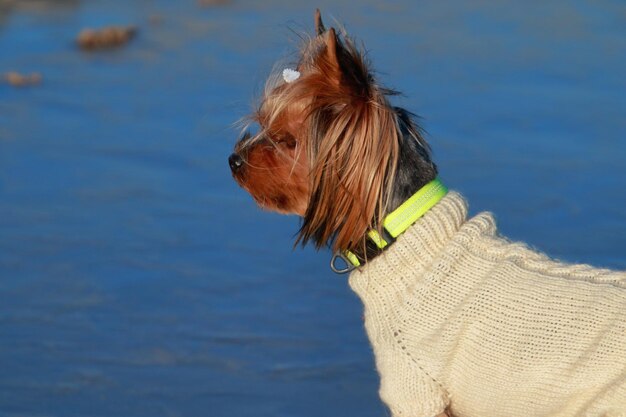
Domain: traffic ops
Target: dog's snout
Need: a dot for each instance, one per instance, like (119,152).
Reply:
(235,162)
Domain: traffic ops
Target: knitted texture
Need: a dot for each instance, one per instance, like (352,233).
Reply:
(461,318)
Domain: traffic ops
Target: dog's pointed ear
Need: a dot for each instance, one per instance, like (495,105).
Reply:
(331,47)
(344,66)
(319,25)
(331,54)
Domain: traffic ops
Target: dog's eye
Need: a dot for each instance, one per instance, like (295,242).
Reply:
(288,141)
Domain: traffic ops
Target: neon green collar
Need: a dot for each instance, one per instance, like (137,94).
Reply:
(397,222)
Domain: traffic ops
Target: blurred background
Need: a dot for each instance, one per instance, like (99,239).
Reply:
(137,279)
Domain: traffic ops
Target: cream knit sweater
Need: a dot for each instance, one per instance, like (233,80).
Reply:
(461,318)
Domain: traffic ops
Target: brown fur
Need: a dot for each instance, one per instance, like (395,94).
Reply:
(328,145)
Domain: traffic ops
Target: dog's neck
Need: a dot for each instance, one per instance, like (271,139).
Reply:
(415,171)
(394,224)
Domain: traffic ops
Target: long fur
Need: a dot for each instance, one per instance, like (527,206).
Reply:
(363,156)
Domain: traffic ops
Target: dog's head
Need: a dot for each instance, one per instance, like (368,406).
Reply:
(329,144)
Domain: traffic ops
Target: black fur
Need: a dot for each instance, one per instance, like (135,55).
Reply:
(415,166)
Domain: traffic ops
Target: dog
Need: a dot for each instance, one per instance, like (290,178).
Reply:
(462,321)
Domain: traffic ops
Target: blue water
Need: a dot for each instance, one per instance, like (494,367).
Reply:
(137,279)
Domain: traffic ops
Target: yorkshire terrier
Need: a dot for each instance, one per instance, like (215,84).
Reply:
(462,321)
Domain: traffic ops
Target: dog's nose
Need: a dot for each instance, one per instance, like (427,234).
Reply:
(235,162)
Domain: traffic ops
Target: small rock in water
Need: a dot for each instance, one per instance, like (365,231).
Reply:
(22,80)
(107,37)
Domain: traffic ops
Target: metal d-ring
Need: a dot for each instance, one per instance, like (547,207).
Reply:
(348,268)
